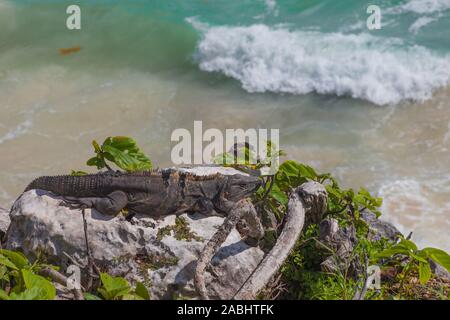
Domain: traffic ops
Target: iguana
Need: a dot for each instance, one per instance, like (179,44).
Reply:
(153,193)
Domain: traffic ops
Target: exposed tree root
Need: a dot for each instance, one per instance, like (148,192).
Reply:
(215,242)
(310,200)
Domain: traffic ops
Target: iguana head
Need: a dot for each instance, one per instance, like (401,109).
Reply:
(241,186)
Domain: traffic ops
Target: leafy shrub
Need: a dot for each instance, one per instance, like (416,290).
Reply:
(122,151)
(301,272)
(19,279)
(419,260)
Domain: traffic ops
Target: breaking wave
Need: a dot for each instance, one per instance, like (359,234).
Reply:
(276,59)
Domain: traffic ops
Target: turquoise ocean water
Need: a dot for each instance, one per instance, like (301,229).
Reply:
(370,106)
(282,39)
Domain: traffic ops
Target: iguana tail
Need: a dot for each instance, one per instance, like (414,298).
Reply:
(76,186)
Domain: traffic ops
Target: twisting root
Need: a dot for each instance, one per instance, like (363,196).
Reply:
(214,244)
(307,203)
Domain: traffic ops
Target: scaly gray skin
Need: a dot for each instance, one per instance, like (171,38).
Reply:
(155,193)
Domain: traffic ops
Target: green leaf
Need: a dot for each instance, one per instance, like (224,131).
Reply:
(439,256)
(364,192)
(3,295)
(418,258)
(18,258)
(377,213)
(122,159)
(111,283)
(349,194)
(34,293)
(113,287)
(4,273)
(78,173)
(333,191)
(388,253)
(407,244)
(278,195)
(424,272)
(96,147)
(378,202)
(125,153)
(96,162)
(142,291)
(90,296)
(130,296)
(293,174)
(6,262)
(105,294)
(33,280)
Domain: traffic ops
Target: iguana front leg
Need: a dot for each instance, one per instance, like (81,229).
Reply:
(237,211)
(112,204)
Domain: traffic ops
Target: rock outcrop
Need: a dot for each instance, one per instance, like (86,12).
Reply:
(379,228)
(342,241)
(160,253)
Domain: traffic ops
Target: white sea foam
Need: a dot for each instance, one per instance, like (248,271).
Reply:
(429,11)
(19,130)
(422,6)
(414,206)
(420,23)
(380,70)
(271,7)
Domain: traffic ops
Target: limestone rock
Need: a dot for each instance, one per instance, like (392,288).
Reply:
(4,222)
(379,228)
(439,270)
(160,253)
(341,241)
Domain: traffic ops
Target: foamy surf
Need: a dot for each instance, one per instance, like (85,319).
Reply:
(422,6)
(276,59)
(21,129)
(271,6)
(429,11)
(407,203)
(420,23)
